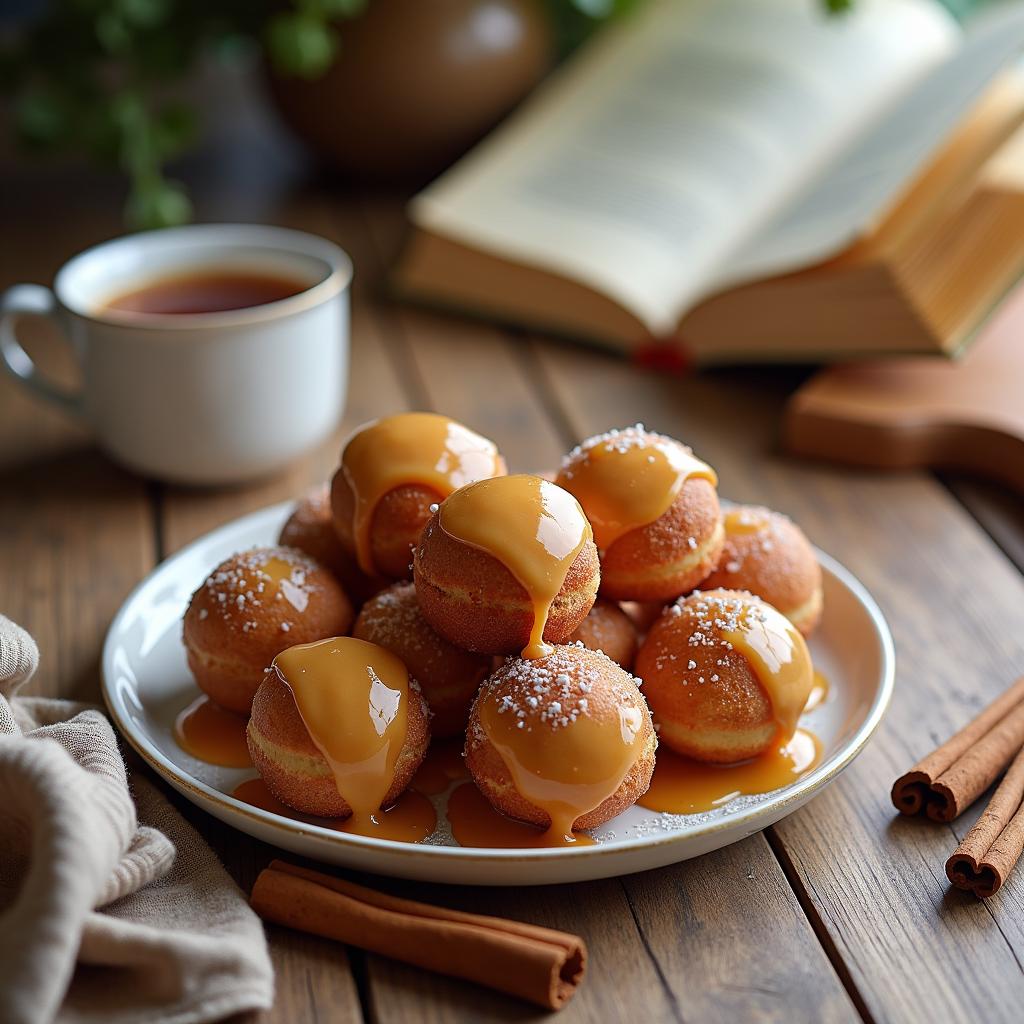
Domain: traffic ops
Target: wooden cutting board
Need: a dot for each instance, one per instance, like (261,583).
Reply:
(901,413)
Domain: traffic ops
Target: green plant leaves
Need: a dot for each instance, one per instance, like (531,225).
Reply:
(158,204)
(42,119)
(300,44)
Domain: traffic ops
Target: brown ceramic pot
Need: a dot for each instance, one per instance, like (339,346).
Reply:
(417,82)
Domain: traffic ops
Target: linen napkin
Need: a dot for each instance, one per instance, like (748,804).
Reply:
(112,909)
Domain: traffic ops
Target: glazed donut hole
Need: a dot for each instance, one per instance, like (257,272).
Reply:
(291,764)
(552,695)
(395,529)
(448,675)
(475,602)
(705,695)
(250,608)
(628,476)
(310,528)
(670,556)
(767,554)
(609,630)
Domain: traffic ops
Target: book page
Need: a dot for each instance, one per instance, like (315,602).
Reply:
(676,134)
(862,181)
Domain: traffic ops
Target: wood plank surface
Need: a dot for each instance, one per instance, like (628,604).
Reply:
(76,532)
(840,912)
(315,976)
(912,950)
(489,380)
(999,510)
(375,388)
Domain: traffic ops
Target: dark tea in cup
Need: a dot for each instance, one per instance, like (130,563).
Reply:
(207,291)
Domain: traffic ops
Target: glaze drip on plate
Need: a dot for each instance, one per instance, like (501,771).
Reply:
(682,785)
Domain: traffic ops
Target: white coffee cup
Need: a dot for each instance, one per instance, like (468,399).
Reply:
(197,397)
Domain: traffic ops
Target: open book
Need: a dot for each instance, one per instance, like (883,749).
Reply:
(674,178)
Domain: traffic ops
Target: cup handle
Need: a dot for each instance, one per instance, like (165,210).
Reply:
(34,300)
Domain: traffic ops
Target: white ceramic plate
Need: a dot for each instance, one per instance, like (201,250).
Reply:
(146,683)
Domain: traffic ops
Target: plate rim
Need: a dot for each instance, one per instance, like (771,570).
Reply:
(796,793)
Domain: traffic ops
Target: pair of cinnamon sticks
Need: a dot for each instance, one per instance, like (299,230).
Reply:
(952,777)
(537,964)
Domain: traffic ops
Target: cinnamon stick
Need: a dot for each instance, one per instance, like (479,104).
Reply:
(990,850)
(538,964)
(952,777)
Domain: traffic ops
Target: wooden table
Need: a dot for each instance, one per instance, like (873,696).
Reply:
(840,912)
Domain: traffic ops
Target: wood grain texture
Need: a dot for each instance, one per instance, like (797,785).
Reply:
(474,373)
(730,936)
(75,531)
(477,376)
(709,923)
(76,535)
(375,389)
(912,950)
(999,511)
(314,976)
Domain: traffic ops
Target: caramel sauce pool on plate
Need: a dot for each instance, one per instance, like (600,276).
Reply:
(209,733)
(410,819)
(684,786)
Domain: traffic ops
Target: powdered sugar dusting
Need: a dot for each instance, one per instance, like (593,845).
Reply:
(243,583)
(621,441)
(553,692)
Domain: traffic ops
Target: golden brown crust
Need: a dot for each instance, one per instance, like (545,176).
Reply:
(807,616)
(397,523)
(670,556)
(240,619)
(607,628)
(609,687)
(643,615)
(707,701)
(291,764)
(310,528)
(777,563)
(471,599)
(448,675)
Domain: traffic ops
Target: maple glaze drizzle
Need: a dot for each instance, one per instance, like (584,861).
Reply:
(744,520)
(534,528)
(212,734)
(571,773)
(770,643)
(281,573)
(779,657)
(410,819)
(353,698)
(628,478)
(443,765)
(684,786)
(819,692)
(411,448)
(475,823)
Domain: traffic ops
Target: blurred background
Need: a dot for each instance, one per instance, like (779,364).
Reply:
(264,95)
